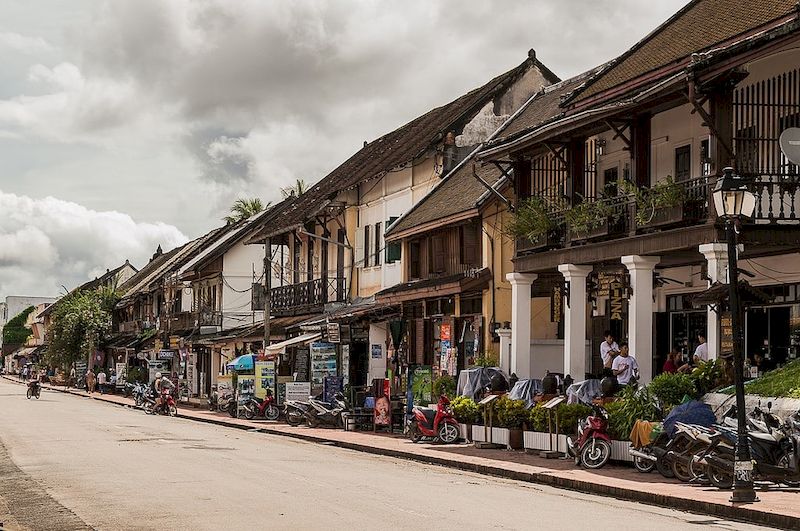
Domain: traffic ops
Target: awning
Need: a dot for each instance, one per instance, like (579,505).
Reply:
(436,287)
(24,352)
(718,294)
(304,339)
(242,363)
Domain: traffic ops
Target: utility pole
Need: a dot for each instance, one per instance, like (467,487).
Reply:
(267,289)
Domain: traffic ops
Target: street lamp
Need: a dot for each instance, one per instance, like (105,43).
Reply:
(734,201)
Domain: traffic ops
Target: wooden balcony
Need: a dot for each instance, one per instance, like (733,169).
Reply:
(306,296)
(182,321)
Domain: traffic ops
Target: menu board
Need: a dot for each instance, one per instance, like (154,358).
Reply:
(726,335)
(323,362)
(301,364)
(299,391)
(265,377)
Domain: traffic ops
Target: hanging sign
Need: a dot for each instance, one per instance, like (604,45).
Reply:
(790,144)
(617,301)
(726,335)
(557,303)
(333,333)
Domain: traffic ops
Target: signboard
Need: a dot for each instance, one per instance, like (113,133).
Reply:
(606,280)
(191,372)
(122,374)
(224,385)
(345,363)
(323,361)
(377,352)
(617,301)
(344,332)
(383,405)
(154,366)
(359,333)
(174,342)
(245,388)
(301,364)
(281,394)
(557,303)
(446,333)
(265,378)
(726,335)
(165,355)
(333,333)
(299,391)
(422,384)
(330,386)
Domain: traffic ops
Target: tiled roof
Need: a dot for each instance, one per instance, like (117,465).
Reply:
(394,149)
(697,27)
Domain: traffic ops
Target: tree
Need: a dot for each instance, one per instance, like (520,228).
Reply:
(79,323)
(299,188)
(245,208)
(15,332)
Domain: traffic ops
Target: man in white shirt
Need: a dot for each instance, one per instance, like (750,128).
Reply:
(624,366)
(101,381)
(608,349)
(701,352)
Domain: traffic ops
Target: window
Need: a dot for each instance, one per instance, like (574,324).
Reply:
(310,263)
(394,249)
(683,163)
(471,304)
(470,245)
(705,157)
(437,254)
(297,249)
(366,246)
(377,259)
(414,261)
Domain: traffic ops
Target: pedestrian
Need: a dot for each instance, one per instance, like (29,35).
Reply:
(608,350)
(25,372)
(101,381)
(670,366)
(71,380)
(701,352)
(91,381)
(625,367)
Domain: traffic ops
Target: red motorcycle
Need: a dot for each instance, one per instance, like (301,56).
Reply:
(437,424)
(593,447)
(166,407)
(266,407)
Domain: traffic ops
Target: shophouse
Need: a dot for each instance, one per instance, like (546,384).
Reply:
(623,170)
(330,245)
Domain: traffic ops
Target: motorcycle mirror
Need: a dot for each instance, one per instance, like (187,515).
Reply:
(769,406)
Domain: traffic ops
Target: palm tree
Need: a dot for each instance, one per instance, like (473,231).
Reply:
(299,188)
(245,208)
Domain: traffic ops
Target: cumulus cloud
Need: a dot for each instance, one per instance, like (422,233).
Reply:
(24,43)
(46,243)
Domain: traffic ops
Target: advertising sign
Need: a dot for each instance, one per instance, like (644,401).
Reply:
(298,391)
(122,373)
(323,361)
(245,388)
(422,384)
(377,352)
(154,366)
(331,385)
(191,372)
(333,333)
(224,385)
(281,394)
(265,378)
(383,405)
(346,363)
(165,354)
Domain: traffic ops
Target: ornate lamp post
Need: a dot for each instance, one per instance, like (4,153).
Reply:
(734,201)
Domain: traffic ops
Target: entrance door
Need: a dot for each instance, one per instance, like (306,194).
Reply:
(768,332)
(359,364)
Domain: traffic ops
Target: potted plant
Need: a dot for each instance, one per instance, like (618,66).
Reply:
(444,385)
(512,415)
(536,221)
(589,218)
(660,204)
(467,413)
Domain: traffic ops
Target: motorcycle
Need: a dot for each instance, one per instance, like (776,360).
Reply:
(592,449)
(295,412)
(140,394)
(167,407)
(326,413)
(213,398)
(227,403)
(257,407)
(34,389)
(436,424)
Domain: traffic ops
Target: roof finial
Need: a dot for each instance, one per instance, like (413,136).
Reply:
(532,54)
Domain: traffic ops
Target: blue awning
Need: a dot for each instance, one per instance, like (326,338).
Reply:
(242,363)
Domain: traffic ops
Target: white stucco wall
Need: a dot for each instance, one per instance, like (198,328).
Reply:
(239,265)
(377,336)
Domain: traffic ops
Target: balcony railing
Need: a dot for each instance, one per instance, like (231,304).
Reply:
(306,295)
(182,321)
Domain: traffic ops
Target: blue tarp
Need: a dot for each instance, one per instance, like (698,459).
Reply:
(242,363)
(692,412)
(526,390)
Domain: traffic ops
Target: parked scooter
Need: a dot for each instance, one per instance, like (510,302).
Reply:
(326,413)
(139,393)
(437,424)
(592,449)
(266,407)
(295,412)
(227,403)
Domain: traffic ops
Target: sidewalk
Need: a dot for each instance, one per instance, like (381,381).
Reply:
(778,508)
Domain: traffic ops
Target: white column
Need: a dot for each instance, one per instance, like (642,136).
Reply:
(716,254)
(505,349)
(521,323)
(640,312)
(575,320)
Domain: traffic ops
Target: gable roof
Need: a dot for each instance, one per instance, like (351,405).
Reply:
(396,148)
(697,27)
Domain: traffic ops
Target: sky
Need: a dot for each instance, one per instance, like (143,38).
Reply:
(128,124)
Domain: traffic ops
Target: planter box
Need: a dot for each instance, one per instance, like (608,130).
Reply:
(544,241)
(596,232)
(500,436)
(664,216)
(465,431)
(478,433)
(535,440)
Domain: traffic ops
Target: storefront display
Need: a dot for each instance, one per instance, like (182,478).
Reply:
(299,391)
(422,384)
(264,377)
(323,362)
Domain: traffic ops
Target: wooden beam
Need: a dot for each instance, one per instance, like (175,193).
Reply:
(620,132)
(558,153)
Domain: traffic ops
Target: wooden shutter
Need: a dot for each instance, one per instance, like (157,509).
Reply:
(437,254)
(414,260)
(377,257)
(393,249)
(470,245)
(360,247)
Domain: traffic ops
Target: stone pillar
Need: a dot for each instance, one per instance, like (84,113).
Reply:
(521,323)
(505,349)
(575,320)
(640,312)
(716,254)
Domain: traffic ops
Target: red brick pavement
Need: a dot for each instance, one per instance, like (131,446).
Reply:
(778,507)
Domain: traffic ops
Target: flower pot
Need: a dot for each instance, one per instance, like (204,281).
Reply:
(479,433)
(515,439)
(500,436)
(594,232)
(465,431)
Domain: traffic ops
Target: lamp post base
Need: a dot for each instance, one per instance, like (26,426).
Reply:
(746,495)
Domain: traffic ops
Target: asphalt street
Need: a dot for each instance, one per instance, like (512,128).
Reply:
(71,463)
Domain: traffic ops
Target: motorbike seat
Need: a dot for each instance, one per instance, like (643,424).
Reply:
(430,414)
(763,436)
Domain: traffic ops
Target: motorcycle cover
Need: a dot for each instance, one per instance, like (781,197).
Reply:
(471,382)
(583,392)
(526,390)
(692,412)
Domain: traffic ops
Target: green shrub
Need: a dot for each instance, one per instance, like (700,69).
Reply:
(670,389)
(569,415)
(466,410)
(444,385)
(709,375)
(511,413)
(537,418)
(781,382)
(634,404)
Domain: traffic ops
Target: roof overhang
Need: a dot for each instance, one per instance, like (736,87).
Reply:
(431,225)
(426,289)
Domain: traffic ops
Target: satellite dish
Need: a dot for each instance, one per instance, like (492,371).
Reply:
(790,144)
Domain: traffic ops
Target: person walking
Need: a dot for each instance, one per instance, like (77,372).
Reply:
(701,352)
(91,381)
(71,380)
(101,381)
(625,367)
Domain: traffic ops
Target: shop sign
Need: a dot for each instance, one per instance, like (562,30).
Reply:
(446,333)
(377,352)
(333,333)
(726,335)
(344,332)
(165,355)
(359,333)
(422,384)
(191,372)
(298,391)
(346,363)
(174,342)
(557,303)
(323,361)
(606,281)
(330,386)
(265,377)
(617,301)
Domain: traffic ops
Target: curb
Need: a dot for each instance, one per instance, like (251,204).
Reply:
(732,512)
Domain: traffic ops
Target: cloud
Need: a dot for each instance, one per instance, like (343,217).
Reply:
(47,242)
(23,43)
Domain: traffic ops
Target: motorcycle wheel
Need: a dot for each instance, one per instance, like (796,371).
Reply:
(272,413)
(680,468)
(448,433)
(232,410)
(595,454)
(312,422)
(696,470)
(29,394)
(38,393)
(172,410)
(720,478)
(645,466)
(248,413)
(664,468)
(293,418)
(416,435)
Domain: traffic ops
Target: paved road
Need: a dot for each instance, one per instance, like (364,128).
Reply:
(72,463)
